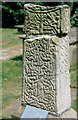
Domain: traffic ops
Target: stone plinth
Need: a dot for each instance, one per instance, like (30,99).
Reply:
(46,78)
(70,114)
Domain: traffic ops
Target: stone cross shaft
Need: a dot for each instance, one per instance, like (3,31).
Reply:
(46,78)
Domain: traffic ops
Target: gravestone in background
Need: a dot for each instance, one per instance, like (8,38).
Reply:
(46,78)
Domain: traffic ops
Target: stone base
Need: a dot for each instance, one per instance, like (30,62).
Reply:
(68,114)
(17,110)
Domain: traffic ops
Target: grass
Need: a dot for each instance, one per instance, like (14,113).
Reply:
(11,80)
(10,37)
(74,104)
(74,75)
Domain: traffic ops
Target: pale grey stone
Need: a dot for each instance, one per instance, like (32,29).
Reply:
(46,20)
(46,78)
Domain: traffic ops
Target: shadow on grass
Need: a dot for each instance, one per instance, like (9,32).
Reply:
(16,118)
(17,58)
(11,117)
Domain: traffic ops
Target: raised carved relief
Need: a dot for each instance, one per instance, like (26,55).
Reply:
(46,78)
(40,69)
(46,20)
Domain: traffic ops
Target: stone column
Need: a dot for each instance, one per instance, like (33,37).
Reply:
(46,78)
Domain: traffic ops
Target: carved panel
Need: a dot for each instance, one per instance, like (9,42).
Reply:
(39,81)
(46,20)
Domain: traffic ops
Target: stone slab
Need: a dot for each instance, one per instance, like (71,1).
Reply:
(74,54)
(46,20)
(46,78)
(34,113)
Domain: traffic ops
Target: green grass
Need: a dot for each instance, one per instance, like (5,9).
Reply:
(74,104)
(10,37)
(74,75)
(11,80)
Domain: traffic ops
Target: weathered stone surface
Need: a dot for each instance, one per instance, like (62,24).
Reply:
(46,78)
(70,114)
(46,20)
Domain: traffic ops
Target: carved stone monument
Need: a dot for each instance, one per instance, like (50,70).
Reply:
(46,78)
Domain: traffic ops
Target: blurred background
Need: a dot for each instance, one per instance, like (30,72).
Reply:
(13,12)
